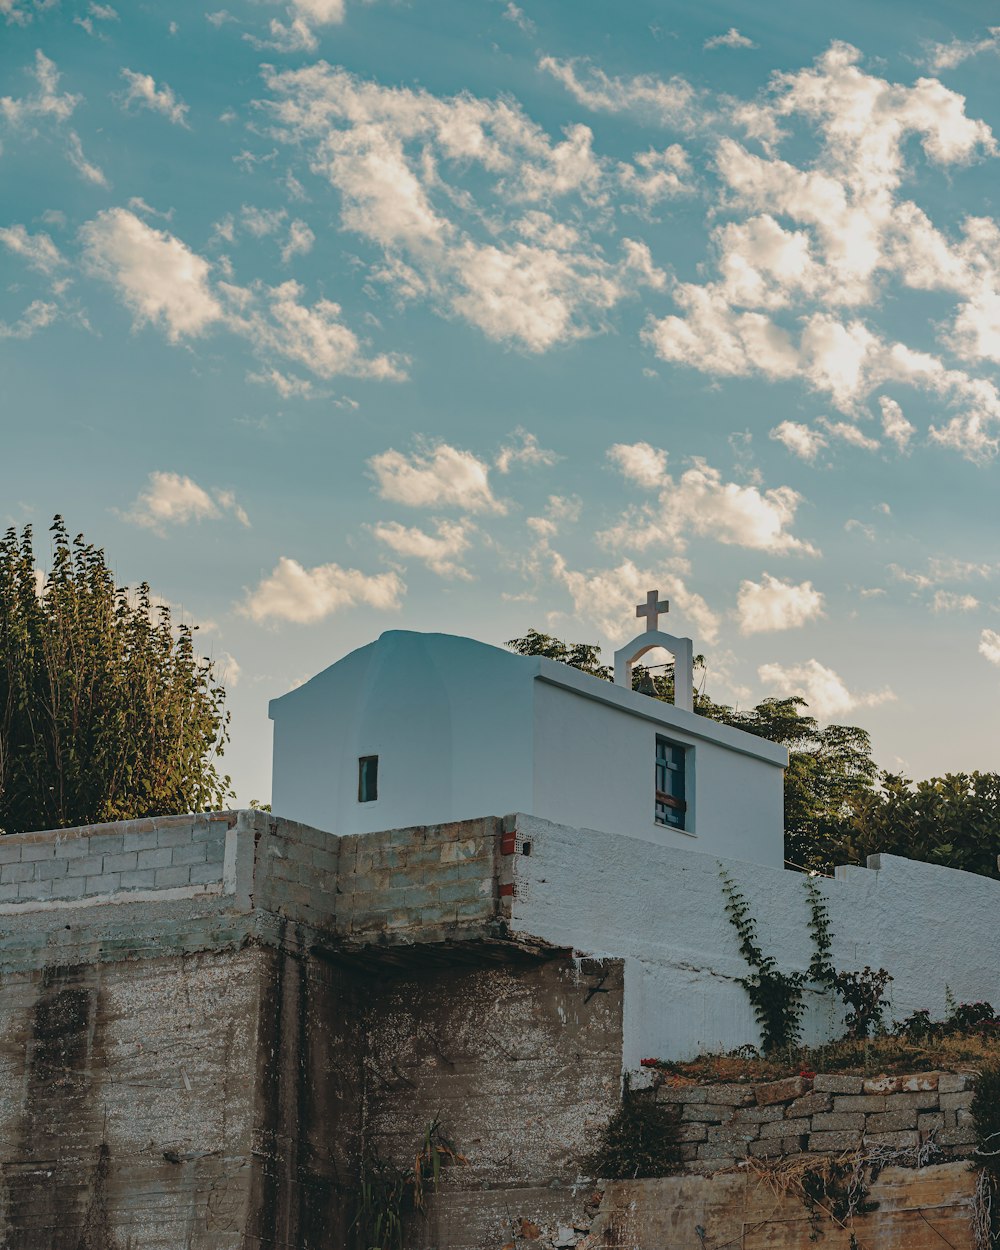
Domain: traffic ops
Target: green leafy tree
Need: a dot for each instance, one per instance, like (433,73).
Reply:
(952,820)
(830,770)
(106,712)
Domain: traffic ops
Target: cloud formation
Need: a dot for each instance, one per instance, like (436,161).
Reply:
(440,551)
(824,690)
(141,91)
(306,596)
(440,476)
(174,499)
(771,604)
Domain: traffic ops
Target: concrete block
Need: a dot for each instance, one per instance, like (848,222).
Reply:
(10,850)
(107,843)
(173,876)
(8,893)
(37,890)
(173,837)
(105,883)
(202,874)
(952,1083)
(193,853)
(868,1103)
(86,866)
(156,857)
(71,848)
(125,861)
(838,1084)
(144,879)
(824,1143)
(51,868)
(37,850)
(68,887)
(140,841)
(16,874)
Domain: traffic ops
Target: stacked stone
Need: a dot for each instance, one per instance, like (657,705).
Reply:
(720,1124)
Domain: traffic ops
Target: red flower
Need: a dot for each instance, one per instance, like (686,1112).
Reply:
(649,1063)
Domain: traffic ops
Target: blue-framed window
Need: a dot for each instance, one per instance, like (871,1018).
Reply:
(367,778)
(671,784)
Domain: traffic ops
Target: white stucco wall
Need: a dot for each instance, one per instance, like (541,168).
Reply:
(449,719)
(464,730)
(662,910)
(594,760)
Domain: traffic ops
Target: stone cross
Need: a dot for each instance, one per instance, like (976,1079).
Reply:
(651,609)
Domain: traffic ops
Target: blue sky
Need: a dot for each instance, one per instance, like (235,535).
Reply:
(331,317)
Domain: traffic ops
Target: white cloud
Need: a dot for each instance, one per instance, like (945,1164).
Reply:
(800,440)
(142,92)
(640,462)
(156,275)
(658,175)
(96,13)
(668,103)
(989,645)
(227,669)
(438,477)
(823,689)
(84,167)
(525,450)
(950,55)
(441,551)
(299,242)
(514,13)
(35,317)
(894,425)
(47,103)
(701,503)
(731,39)
(608,597)
(305,596)
(174,499)
(949,601)
(283,383)
(558,511)
(37,249)
(503,248)
(849,433)
(772,604)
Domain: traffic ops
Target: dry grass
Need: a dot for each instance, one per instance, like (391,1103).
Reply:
(888,1055)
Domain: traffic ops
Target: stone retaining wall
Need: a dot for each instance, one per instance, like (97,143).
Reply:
(719,1124)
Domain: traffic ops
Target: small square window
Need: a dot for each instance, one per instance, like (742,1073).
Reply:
(367,778)
(671,805)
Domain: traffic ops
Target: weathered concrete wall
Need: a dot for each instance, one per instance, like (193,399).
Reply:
(663,912)
(924,1209)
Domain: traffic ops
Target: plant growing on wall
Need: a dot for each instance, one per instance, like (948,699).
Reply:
(776,997)
(639,1141)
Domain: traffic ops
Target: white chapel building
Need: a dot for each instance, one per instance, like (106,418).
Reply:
(419,729)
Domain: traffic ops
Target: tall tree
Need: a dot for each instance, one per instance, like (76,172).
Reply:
(106,711)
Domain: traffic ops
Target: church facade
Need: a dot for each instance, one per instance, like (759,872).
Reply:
(431,728)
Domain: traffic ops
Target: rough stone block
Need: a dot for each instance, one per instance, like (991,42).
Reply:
(930,1121)
(839,1121)
(892,1121)
(166,877)
(953,1102)
(724,1154)
(682,1093)
(786,1128)
(964,1136)
(920,1101)
(124,862)
(782,1091)
(706,1113)
(735,1141)
(904,1140)
(734,1094)
(838,1084)
(823,1143)
(868,1103)
(37,850)
(921,1081)
(758,1115)
(810,1104)
(952,1083)
(690,1132)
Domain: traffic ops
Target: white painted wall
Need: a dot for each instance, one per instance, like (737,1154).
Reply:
(662,910)
(464,730)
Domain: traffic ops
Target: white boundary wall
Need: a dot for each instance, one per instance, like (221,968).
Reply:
(662,910)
